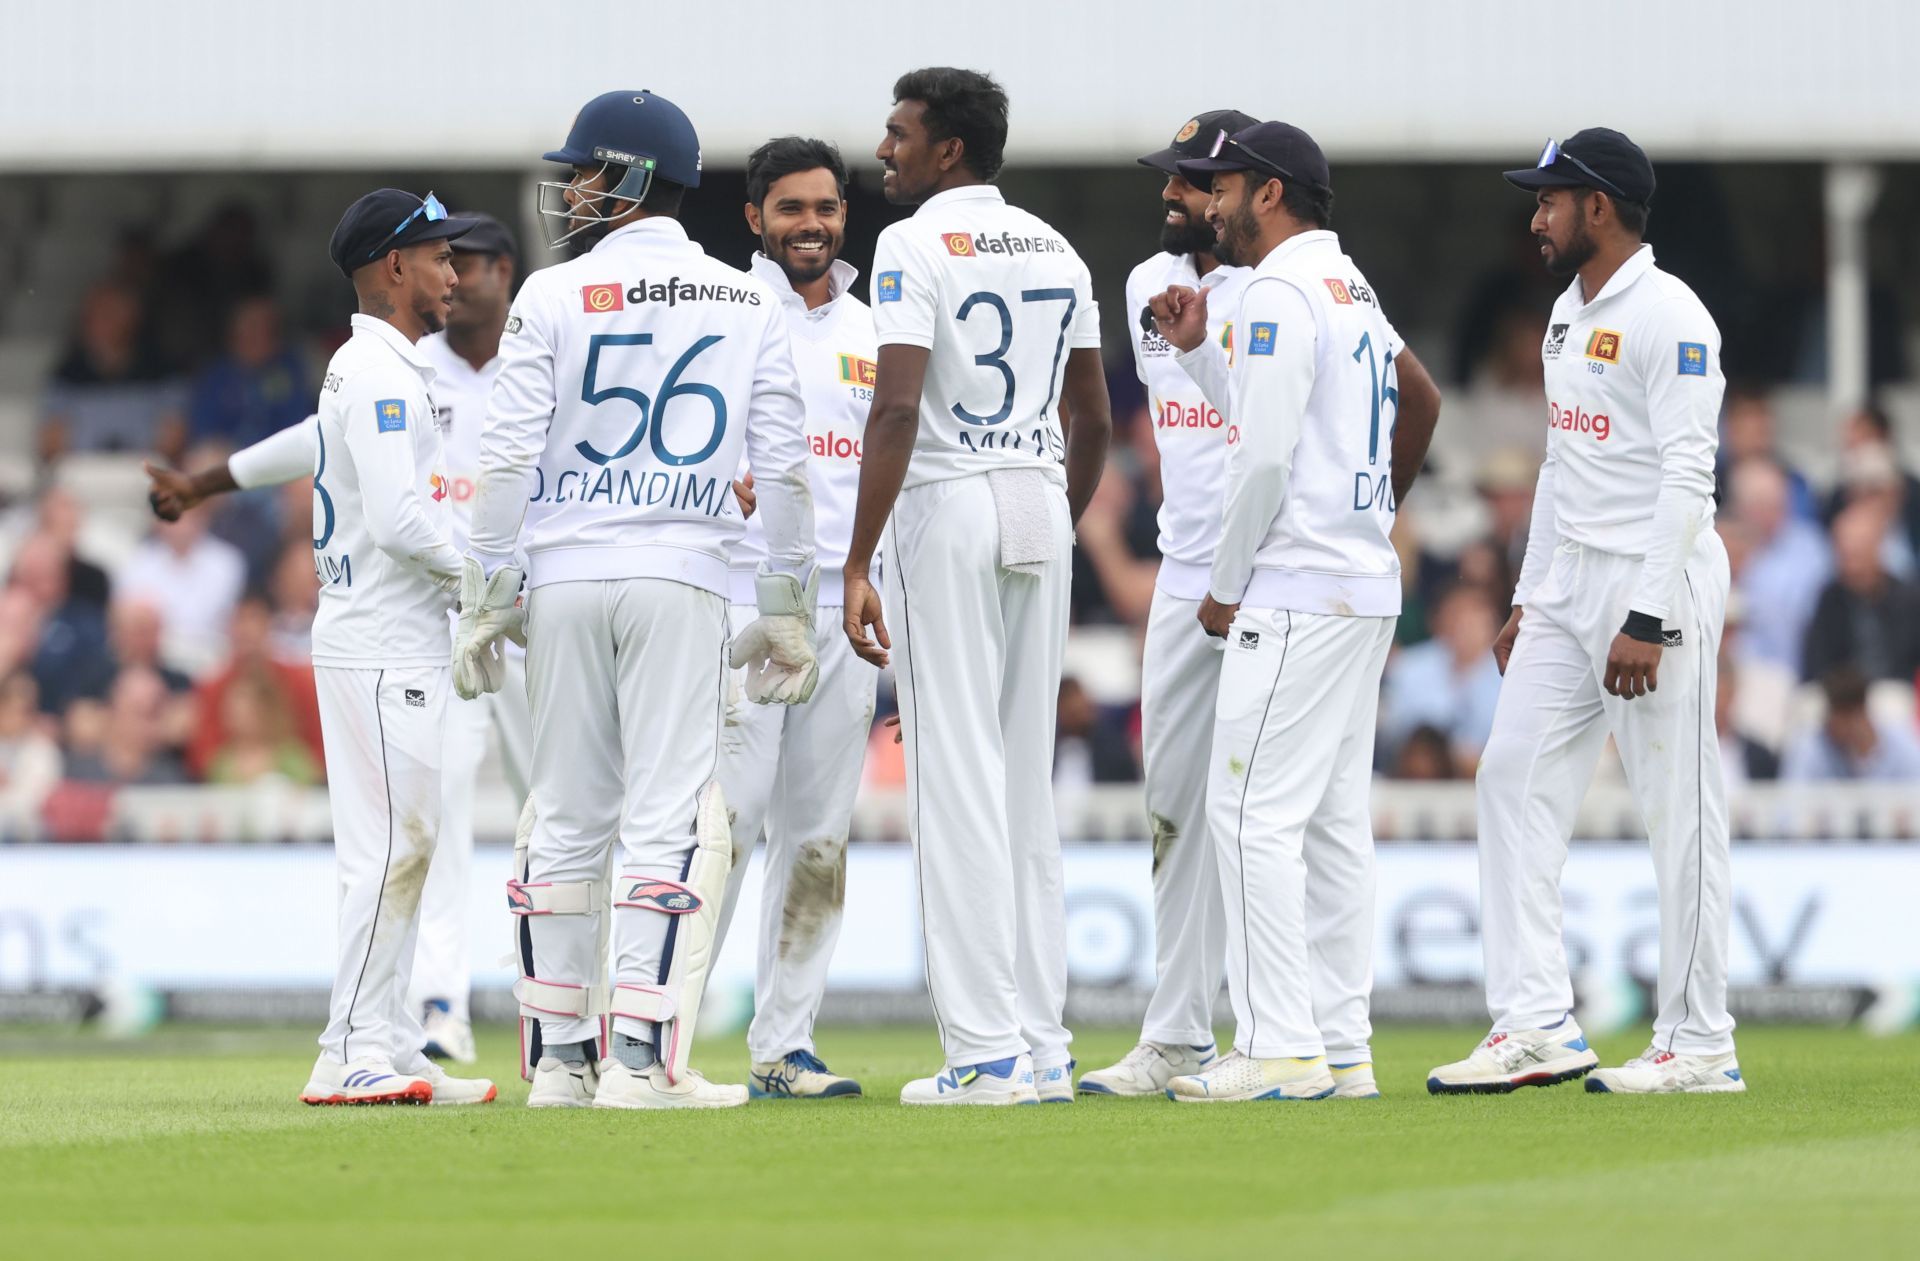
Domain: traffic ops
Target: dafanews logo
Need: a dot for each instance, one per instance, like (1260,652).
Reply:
(962,245)
(857,371)
(958,244)
(599,299)
(1338,288)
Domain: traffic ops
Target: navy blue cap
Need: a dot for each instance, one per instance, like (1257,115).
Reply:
(1596,157)
(388,219)
(1196,138)
(637,130)
(1280,150)
(486,235)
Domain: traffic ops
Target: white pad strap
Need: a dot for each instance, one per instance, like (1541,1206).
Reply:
(580,897)
(553,998)
(644,1002)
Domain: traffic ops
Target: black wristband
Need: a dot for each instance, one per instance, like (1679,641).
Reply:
(1644,627)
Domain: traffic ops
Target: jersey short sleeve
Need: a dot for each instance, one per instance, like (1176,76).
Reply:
(904,290)
(1085,334)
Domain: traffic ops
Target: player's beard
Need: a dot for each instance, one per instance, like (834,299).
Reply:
(432,314)
(1195,236)
(801,268)
(1578,252)
(1239,238)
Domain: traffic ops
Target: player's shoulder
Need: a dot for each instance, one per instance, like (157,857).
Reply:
(1151,274)
(1673,299)
(366,364)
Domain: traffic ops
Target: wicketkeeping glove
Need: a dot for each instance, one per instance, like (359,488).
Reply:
(777,649)
(489,611)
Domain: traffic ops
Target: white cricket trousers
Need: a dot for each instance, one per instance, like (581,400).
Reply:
(976,660)
(1553,718)
(384,743)
(443,959)
(791,773)
(1179,683)
(626,678)
(1288,804)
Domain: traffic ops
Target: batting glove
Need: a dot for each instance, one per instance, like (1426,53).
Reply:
(777,649)
(489,612)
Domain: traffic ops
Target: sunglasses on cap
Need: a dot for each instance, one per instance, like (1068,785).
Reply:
(1225,144)
(1552,154)
(431,210)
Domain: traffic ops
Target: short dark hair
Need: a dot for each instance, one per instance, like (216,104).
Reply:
(664,197)
(962,105)
(1309,203)
(1632,214)
(1846,688)
(1876,417)
(785,155)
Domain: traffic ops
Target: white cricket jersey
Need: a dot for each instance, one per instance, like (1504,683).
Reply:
(833,351)
(632,380)
(1309,498)
(998,298)
(381,526)
(1190,432)
(460,393)
(1633,410)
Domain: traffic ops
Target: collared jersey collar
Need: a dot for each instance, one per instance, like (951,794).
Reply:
(966,192)
(381,331)
(1184,272)
(1638,264)
(1300,241)
(840,277)
(653,229)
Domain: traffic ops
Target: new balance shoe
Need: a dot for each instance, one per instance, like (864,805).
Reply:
(1354,1081)
(1054,1085)
(1238,1078)
(558,1084)
(623,1087)
(1520,1057)
(799,1075)
(995,1083)
(1147,1069)
(457,1090)
(363,1082)
(448,1036)
(1656,1072)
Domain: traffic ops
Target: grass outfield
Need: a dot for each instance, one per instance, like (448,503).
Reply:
(192,1145)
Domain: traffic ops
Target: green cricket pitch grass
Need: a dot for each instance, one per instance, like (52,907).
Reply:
(191,1144)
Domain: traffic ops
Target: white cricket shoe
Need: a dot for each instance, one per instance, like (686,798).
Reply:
(366,1081)
(558,1084)
(1657,1072)
(1521,1057)
(799,1075)
(448,1036)
(1147,1069)
(457,1090)
(1354,1081)
(997,1082)
(1238,1078)
(1054,1085)
(622,1087)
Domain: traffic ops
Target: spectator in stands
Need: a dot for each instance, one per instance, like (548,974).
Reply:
(1849,744)
(195,580)
(1748,431)
(295,594)
(1742,758)
(1122,553)
(1870,429)
(201,282)
(253,659)
(109,391)
(1088,747)
(259,741)
(257,387)
(30,761)
(1505,481)
(1870,477)
(132,745)
(133,630)
(1786,564)
(1449,683)
(1865,618)
(59,517)
(1426,756)
(70,658)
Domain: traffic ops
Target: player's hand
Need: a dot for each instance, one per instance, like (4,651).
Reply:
(894,722)
(863,610)
(169,492)
(1216,617)
(1633,667)
(1503,642)
(1180,316)
(745,496)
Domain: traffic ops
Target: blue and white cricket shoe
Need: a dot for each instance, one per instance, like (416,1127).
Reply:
(1511,1059)
(448,1036)
(799,1075)
(1354,1081)
(1657,1072)
(995,1083)
(1054,1085)
(368,1081)
(1147,1069)
(1240,1078)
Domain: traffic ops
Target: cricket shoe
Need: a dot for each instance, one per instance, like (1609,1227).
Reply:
(1354,1081)
(996,1082)
(1656,1072)
(457,1090)
(1519,1057)
(1238,1078)
(648,1088)
(558,1084)
(1054,1085)
(448,1036)
(1147,1069)
(363,1082)
(799,1075)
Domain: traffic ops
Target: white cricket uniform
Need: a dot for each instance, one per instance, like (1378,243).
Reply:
(381,650)
(634,378)
(791,773)
(977,564)
(1180,665)
(1622,520)
(1304,552)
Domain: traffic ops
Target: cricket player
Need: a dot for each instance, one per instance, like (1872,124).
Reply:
(791,774)
(987,324)
(635,375)
(1180,667)
(1615,629)
(386,563)
(464,356)
(1305,588)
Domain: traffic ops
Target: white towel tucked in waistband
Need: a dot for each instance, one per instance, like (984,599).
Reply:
(1020,499)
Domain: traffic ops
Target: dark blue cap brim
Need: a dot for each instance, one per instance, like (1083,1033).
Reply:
(1533,177)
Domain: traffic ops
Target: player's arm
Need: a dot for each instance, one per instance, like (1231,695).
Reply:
(777,454)
(514,434)
(1414,419)
(379,440)
(276,459)
(1543,535)
(1180,314)
(1087,412)
(1270,391)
